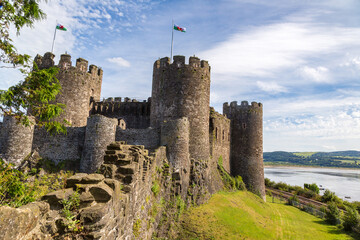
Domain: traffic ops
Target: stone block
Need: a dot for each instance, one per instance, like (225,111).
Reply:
(101,192)
(54,198)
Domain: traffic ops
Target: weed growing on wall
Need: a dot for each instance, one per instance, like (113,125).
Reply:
(70,207)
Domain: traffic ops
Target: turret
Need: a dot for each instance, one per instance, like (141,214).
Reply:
(80,86)
(246,149)
(16,139)
(183,90)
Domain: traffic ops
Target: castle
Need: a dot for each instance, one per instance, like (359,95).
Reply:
(177,116)
(174,140)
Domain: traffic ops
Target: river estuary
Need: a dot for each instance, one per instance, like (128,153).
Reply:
(344,182)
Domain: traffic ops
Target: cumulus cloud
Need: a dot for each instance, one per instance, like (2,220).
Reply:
(318,74)
(271,87)
(119,61)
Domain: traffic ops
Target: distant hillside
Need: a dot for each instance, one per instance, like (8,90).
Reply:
(346,159)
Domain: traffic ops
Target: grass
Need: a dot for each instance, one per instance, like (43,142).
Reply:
(304,154)
(243,215)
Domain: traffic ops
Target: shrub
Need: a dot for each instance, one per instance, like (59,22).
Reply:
(18,188)
(313,187)
(293,200)
(351,219)
(333,214)
(269,183)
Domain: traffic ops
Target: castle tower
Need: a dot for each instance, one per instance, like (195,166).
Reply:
(79,86)
(246,149)
(181,90)
(16,140)
(100,132)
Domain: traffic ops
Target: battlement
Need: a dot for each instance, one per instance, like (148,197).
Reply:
(65,64)
(179,62)
(126,99)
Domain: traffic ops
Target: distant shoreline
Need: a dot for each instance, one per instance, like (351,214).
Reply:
(306,166)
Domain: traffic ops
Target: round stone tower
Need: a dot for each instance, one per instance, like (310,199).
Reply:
(246,149)
(16,139)
(80,85)
(181,90)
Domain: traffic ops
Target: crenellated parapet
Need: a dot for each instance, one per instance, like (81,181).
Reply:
(81,84)
(135,113)
(246,154)
(183,90)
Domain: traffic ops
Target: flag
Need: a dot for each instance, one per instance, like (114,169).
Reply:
(61,27)
(176,27)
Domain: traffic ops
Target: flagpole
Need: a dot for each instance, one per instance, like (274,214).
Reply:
(52,48)
(172,40)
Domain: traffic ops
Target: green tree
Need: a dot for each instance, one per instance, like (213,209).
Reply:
(17,13)
(40,87)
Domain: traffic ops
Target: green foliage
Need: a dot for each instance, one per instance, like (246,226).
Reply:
(292,200)
(155,188)
(17,13)
(40,86)
(313,187)
(70,206)
(35,93)
(180,205)
(233,183)
(18,188)
(351,219)
(137,227)
(333,214)
(328,196)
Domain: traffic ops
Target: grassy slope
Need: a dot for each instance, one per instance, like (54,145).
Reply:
(243,215)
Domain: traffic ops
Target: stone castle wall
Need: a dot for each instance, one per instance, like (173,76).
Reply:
(116,204)
(183,90)
(219,138)
(136,114)
(59,147)
(247,143)
(148,137)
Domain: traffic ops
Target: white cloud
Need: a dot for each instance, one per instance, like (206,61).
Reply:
(318,74)
(266,50)
(119,61)
(271,87)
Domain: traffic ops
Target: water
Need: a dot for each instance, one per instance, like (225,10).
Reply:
(343,182)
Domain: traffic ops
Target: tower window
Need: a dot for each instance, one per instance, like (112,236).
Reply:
(244,125)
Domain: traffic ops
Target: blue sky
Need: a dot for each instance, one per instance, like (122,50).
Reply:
(301,59)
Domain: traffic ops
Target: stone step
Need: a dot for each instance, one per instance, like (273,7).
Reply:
(127,169)
(124,178)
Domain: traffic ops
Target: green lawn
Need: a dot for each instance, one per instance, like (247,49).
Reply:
(242,215)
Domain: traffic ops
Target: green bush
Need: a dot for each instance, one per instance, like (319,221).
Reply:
(18,188)
(333,214)
(351,219)
(313,187)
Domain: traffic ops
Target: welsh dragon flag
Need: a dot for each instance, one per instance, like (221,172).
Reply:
(176,27)
(61,27)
